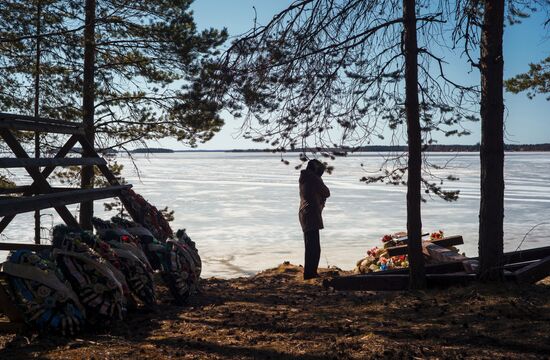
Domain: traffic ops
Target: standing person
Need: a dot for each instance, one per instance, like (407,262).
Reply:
(313,194)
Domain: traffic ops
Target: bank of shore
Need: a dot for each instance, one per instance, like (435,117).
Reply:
(275,314)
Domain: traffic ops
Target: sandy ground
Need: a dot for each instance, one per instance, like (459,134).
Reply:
(276,315)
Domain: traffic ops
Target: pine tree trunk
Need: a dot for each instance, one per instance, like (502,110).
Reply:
(37,107)
(491,214)
(414,221)
(88,98)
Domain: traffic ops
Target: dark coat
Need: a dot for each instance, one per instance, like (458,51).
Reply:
(313,193)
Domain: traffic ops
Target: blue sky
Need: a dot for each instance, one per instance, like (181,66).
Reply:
(527,121)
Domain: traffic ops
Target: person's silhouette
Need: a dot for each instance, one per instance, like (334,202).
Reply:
(313,194)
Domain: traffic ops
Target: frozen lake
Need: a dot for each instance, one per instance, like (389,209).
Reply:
(241,208)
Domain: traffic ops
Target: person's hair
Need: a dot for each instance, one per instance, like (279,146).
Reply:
(316,166)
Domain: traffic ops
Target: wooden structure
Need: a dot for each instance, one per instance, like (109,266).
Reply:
(40,194)
(448,268)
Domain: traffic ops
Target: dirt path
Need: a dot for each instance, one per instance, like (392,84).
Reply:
(276,315)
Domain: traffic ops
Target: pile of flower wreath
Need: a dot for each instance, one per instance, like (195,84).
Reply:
(42,293)
(89,279)
(377,258)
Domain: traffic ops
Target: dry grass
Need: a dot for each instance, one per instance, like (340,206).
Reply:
(277,315)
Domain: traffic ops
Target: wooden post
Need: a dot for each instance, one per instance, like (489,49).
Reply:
(88,99)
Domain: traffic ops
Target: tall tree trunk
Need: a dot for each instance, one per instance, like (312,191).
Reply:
(491,213)
(88,98)
(414,220)
(37,107)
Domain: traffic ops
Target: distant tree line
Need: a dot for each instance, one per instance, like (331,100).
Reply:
(402,148)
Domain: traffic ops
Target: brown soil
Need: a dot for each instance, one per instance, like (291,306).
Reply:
(277,315)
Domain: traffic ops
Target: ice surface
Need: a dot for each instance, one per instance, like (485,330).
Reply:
(241,208)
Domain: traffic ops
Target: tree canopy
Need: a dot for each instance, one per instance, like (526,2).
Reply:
(329,76)
(152,67)
(535,81)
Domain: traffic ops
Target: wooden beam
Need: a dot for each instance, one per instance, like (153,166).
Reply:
(40,127)
(447,241)
(404,239)
(525,255)
(18,162)
(58,200)
(15,190)
(534,272)
(517,266)
(31,123)
(30,118)
(26,188)
(19,246)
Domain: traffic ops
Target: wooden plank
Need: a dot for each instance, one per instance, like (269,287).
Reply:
(7,197)
(447,241)
(40,127)
(403,240)
(517,266)
(526,255)
(31,123)
(30,118)
(26,188)
(534,272)
(26,162)
(14,190)
(18,246)
(57,200)
(394,282)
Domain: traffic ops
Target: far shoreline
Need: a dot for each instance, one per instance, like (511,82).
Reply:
(343,152)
